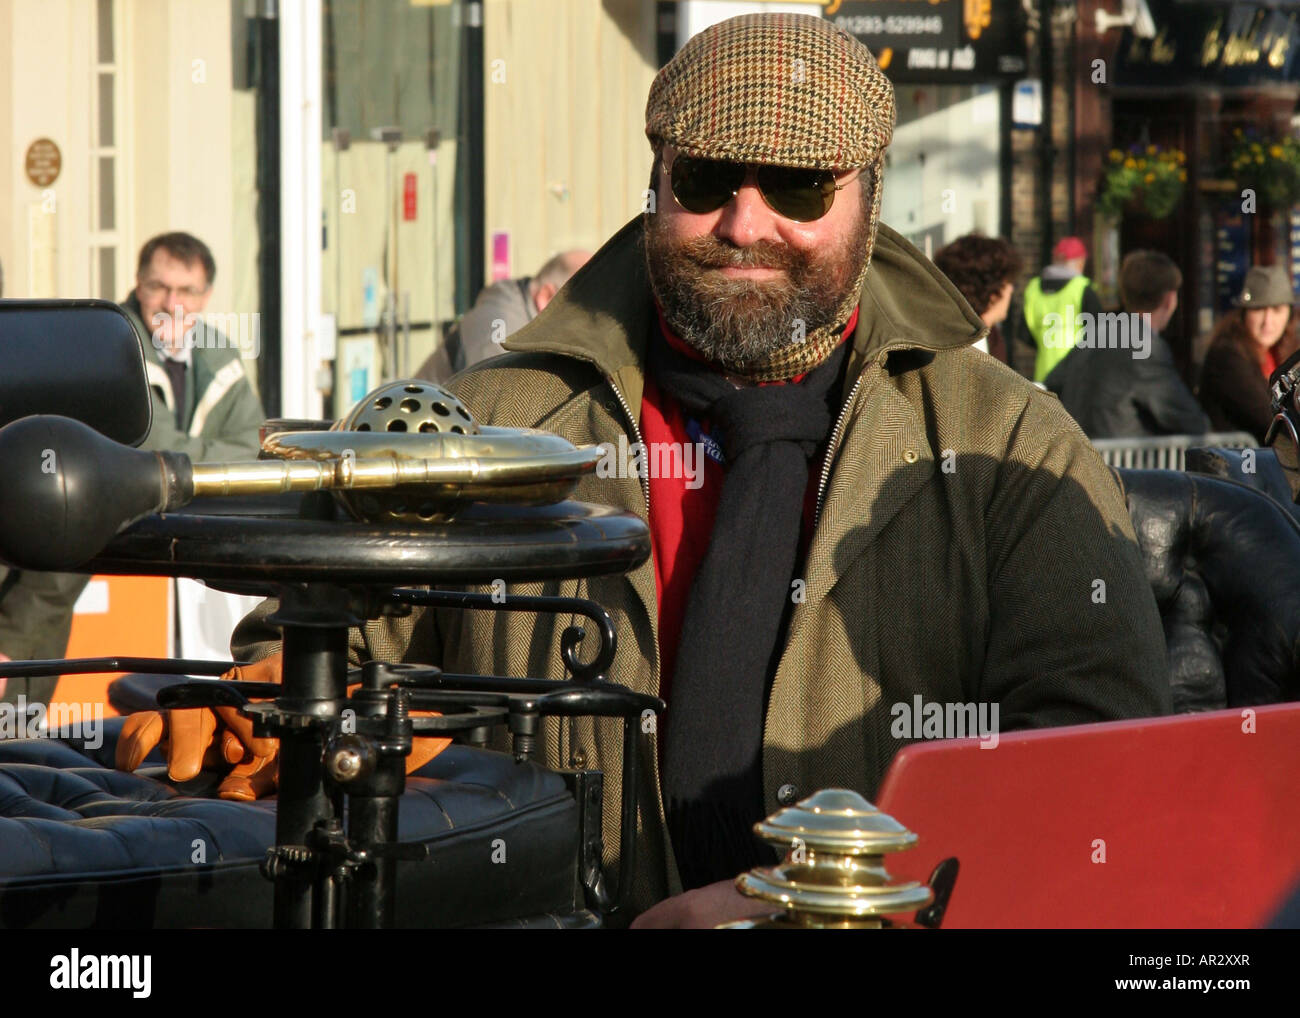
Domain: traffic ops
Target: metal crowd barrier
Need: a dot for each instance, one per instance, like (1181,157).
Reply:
(1168,451)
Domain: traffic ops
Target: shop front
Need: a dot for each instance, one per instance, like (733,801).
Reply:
(1209,103)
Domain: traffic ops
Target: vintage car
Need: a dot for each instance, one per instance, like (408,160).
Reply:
(1183,821)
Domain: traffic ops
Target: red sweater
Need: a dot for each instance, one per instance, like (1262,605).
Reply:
(682,510)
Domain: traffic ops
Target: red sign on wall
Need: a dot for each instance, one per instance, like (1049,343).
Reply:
(408,197)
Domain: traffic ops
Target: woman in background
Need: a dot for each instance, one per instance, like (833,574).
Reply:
(1247,346)
(984,269)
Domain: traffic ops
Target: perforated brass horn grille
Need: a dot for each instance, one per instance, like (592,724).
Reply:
(411,406)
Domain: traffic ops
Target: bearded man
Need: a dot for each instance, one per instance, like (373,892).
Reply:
(885,514)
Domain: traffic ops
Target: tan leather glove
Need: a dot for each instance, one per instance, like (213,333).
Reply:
(220,736)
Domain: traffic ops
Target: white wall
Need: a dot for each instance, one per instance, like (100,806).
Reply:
(942,175)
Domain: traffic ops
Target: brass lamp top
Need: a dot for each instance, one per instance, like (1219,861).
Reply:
(833,873)
(836,820)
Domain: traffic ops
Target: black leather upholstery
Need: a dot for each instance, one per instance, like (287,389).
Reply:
(1223,560)
(1255,468)
(83,845)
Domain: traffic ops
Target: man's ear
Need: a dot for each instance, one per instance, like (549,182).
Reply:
(543,296)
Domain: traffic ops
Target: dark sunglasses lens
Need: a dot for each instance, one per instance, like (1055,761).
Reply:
(705,185)
(801,195)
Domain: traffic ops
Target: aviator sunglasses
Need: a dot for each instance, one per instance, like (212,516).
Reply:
(705,185)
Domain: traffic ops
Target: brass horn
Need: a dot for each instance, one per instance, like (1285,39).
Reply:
(409,452)
(416,455)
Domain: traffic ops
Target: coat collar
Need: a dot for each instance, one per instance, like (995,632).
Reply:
(603,315)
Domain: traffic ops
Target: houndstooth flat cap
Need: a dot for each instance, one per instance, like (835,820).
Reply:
(787,89)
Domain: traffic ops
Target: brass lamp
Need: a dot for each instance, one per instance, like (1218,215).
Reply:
(833,874)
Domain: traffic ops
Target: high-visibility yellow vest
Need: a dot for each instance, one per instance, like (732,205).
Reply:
(1055,336)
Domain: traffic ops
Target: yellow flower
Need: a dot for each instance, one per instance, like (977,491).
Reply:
(1259,159)
(1116,156)
(1182,157)
(1182,174)
(1148,178)
(1151,150)
(1276,151)
(1130,163)
(1142,164)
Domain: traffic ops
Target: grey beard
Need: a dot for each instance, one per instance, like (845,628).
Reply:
(740,323)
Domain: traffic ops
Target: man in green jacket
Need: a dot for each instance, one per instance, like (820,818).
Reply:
(203,402)
(1054,302)
(203,405)
(885,514)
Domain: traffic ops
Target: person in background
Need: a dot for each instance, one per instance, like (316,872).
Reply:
(203,402)
(1132,389)
(1245,349)
(503,308)
(35,620)
(203,405)
(1062,290)
(984,269)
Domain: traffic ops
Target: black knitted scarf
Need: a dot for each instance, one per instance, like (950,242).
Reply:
(738,605)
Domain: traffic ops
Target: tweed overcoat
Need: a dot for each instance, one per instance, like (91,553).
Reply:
(970,546)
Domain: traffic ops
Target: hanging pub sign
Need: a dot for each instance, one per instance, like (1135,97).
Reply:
(938,41)
(1196,41)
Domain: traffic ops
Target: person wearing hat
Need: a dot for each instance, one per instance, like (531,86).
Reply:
(886,513)
(1245,349)
(1060,294)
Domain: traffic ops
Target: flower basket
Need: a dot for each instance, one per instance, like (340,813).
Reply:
(1269,166)
(1145,180)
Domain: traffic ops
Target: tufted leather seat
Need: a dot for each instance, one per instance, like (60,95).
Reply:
(1223,559)
(83,845)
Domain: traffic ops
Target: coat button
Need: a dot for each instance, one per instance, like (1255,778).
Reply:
(579,759)
(910,456)
(787,794)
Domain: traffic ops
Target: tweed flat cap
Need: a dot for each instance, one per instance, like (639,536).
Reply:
(787,89)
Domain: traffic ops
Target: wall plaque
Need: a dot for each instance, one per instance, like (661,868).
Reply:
(43,162)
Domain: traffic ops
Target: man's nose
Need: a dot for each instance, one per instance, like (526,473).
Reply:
(745,219)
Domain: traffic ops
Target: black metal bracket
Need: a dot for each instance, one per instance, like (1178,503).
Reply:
(942,882)
(588,788)
(569,639)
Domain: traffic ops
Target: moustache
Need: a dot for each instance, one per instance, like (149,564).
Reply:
(710,253)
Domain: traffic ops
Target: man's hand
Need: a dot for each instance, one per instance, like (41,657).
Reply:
(203,737)
(702,909)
